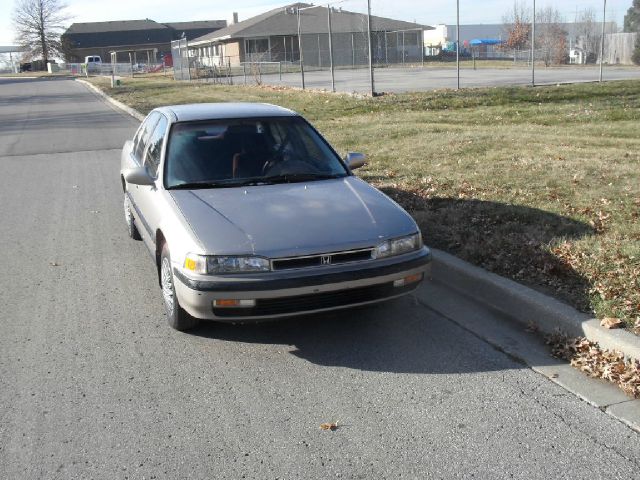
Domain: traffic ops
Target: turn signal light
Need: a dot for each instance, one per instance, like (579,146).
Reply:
(407,280)
(233,303)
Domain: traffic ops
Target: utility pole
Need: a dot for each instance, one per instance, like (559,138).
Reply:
(373,88)
(533,46)
(604,18)
(333,77)
(458,44)
(300,49)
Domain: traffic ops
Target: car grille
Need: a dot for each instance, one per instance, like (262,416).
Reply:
(336,258)
(317,301)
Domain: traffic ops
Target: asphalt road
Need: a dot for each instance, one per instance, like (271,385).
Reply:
(398,80)
(94,384)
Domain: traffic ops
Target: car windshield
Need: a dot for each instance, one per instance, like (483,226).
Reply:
(229,153)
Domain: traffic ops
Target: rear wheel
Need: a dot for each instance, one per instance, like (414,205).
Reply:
(128,217)
(178,318)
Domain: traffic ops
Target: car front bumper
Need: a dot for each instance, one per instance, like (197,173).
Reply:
(295,292)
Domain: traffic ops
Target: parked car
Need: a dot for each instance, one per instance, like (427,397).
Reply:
(93,63)
(250,214)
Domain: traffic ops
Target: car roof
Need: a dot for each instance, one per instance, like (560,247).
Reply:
(217,111)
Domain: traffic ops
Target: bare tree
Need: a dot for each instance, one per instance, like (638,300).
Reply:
(520,12)
(5,64)
(551,38)
(517,28)
(38,26)
(587,32)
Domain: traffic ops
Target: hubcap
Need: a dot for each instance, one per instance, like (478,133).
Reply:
(167,284)
(127,212)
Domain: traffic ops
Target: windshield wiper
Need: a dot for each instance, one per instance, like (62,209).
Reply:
(300,177)
(196,185)
(246,182)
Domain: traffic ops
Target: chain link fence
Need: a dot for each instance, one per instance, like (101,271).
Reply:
(109,69)
(341,47)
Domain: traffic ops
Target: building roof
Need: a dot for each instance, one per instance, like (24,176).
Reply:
(476,42)
(136,32)
(146,24)
(200,24)
(284,21)
(12,49)
(115,26)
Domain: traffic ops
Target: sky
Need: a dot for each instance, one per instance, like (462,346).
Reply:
(425,11)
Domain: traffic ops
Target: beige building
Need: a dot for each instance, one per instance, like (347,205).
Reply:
(273,37)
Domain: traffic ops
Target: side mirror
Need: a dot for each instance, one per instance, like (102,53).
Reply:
(138,176)
(355,160)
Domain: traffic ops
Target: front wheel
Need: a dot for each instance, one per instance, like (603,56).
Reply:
(178,318)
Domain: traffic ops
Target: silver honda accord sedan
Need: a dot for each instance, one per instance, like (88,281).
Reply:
(250,214)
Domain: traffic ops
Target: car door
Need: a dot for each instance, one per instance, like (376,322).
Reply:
(136,159)
(148,195)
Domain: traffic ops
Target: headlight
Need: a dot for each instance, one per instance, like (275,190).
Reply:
(230,264)
(398,246)
(237,264)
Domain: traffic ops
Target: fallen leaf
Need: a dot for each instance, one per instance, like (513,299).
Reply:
(329,426)
(587,356)
(611,323)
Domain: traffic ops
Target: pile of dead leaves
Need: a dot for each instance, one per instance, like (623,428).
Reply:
(587,356)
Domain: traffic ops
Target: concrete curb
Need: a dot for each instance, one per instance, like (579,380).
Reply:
(528,306)
(134,113)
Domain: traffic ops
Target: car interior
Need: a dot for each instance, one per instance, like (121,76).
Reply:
(226,151)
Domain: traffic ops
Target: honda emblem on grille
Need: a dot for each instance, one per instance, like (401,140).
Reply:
(326,260)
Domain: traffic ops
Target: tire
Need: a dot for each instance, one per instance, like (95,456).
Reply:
(128,217)
(177,317)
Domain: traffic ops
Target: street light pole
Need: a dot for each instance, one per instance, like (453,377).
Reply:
(458,43)
(333,77)
(373,88)
(300,50)
(604,18)
(533,46)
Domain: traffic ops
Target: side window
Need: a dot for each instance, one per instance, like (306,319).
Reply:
(154,150)
(142,137)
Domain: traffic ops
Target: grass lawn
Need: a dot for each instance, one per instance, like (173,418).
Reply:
(540,185)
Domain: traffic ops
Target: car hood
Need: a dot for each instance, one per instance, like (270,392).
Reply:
(292,219)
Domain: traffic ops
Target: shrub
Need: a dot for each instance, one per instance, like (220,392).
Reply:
(636,53)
